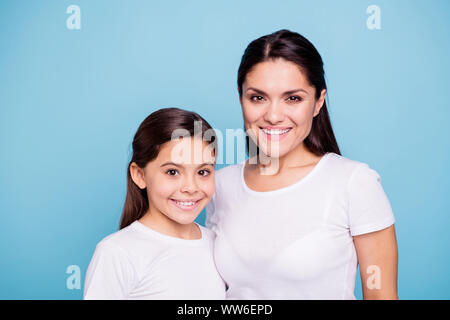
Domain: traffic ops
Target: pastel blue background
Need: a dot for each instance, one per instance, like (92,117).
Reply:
(71,101)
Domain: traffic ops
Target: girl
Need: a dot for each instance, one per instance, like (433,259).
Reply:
(159,251)
(294,220)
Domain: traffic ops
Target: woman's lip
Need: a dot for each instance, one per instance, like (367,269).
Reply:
(276,128)
(275,137)
(185,208)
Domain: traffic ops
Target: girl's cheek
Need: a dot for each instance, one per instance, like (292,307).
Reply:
(208,187)
(164,186)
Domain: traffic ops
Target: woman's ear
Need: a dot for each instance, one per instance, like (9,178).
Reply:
(320,102)
(137,174)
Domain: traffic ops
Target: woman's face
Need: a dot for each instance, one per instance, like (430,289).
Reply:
(278,105)
(180,180)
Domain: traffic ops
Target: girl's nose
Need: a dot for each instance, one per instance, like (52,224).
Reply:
(188,185)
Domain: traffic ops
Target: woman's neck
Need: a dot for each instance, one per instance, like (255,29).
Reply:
(298,157)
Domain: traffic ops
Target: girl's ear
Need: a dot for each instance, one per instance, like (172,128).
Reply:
(137,174)
(320,102)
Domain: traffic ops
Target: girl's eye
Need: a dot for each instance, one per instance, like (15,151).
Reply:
(204,173)
(295,98)
(172,172)
(256,98)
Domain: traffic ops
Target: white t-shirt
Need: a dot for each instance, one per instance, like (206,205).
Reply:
(137,262)
(295,242)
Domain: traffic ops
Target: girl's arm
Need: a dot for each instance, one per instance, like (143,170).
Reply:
(378,263)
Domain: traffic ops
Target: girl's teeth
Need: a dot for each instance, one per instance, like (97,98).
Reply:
(185,203)
(275,131)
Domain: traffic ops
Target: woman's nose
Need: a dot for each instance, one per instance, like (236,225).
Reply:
(274,113)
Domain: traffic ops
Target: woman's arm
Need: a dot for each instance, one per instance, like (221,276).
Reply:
(378,263)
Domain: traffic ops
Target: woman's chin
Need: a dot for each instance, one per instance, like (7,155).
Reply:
(273,153)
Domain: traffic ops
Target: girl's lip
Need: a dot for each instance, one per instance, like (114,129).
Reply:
(185,208)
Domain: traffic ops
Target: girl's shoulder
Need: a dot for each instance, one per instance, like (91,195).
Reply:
(129,241)
(117,240)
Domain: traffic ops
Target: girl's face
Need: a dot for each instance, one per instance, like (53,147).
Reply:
(278,105)
(180,180)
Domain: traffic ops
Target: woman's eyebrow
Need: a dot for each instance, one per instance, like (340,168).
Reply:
(285,93)
(256,90)
(295,90)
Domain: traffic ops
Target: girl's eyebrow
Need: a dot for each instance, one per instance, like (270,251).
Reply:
(179,165)
(285,93)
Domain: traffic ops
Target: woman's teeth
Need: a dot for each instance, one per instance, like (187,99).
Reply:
(275,131)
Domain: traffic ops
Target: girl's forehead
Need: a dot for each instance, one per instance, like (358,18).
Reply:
(187,151)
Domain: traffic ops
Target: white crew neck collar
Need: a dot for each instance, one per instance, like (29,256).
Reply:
(167,238)
(284,189)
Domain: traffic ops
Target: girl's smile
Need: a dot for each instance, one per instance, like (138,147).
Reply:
(187,205)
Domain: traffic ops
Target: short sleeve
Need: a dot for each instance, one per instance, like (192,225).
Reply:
(369,208)
(110,274)
(211,216)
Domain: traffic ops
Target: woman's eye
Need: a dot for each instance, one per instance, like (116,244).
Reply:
(204,173)
(295,98)
(172,172)
(256,98)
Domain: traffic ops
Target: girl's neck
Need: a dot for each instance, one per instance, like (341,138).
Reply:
(161,223)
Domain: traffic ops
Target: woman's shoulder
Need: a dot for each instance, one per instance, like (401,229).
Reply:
(207,233)
(356,176)
(345,166)
(228,174)
(231,169)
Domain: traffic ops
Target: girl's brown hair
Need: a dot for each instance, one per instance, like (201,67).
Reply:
(154,131)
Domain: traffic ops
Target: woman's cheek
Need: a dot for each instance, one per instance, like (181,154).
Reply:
(251,114)
(302,118)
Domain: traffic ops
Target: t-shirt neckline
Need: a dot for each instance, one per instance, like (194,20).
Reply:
(167,238)
(283,189)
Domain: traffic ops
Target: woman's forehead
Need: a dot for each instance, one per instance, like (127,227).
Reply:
(276,76)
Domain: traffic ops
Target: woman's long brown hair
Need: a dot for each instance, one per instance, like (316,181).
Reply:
(152,133)
(293,47)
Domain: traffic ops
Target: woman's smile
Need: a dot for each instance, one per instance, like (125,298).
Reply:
(275,133)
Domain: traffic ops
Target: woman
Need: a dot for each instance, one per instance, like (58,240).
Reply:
(294,220)
(160,252)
